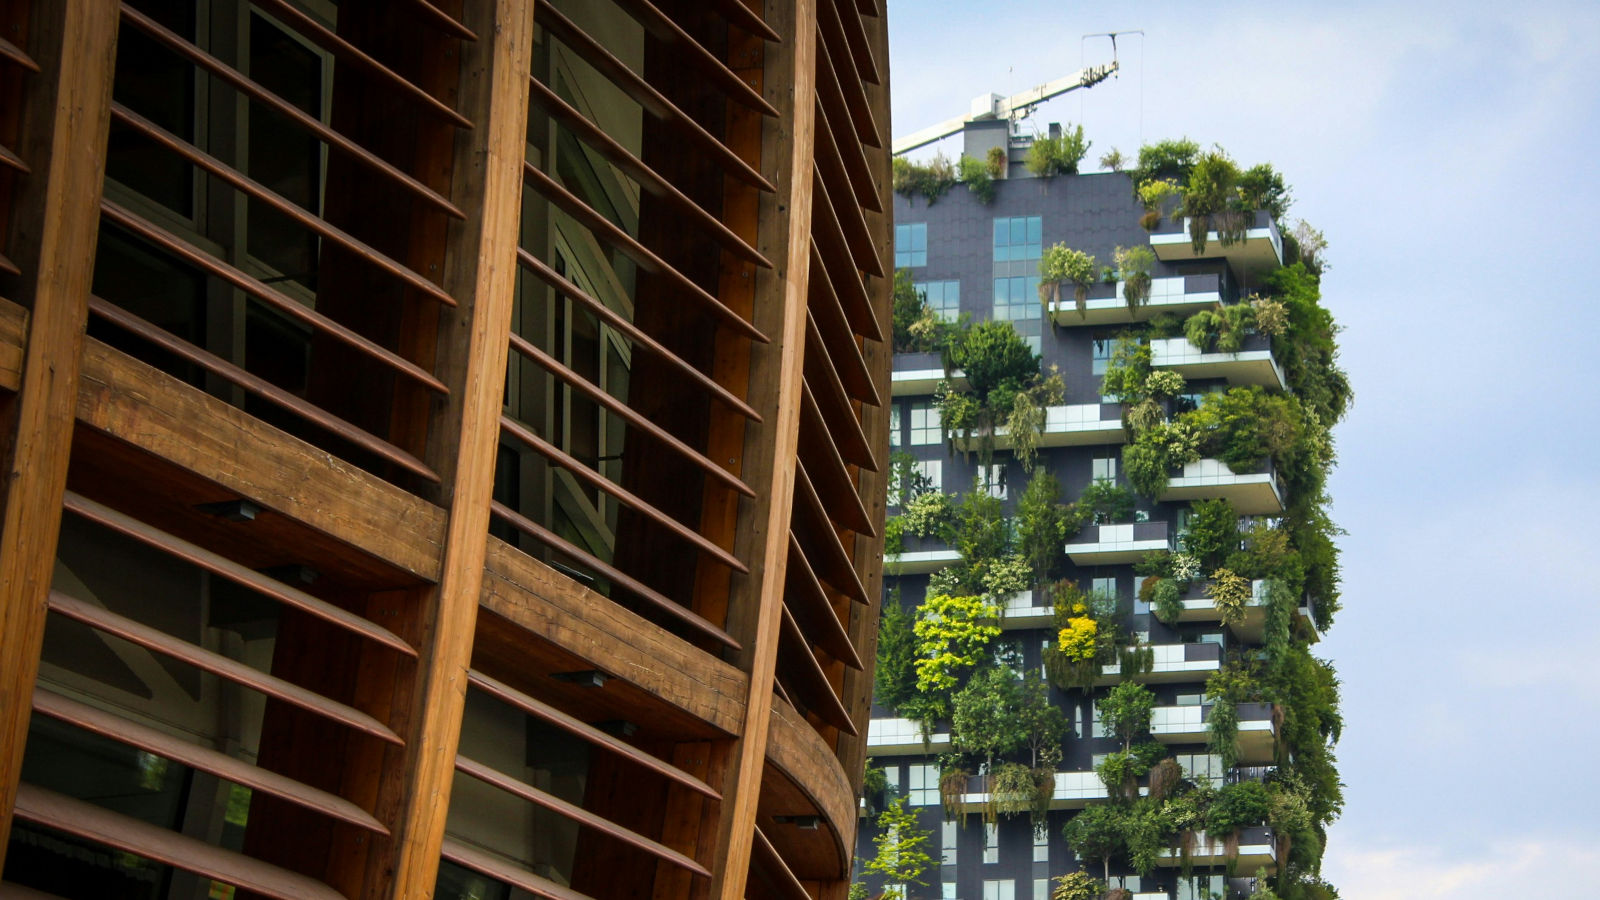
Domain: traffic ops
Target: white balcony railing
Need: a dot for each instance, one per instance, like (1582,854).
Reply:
(902,737)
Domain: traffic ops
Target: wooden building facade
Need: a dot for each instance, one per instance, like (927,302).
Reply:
(445,445)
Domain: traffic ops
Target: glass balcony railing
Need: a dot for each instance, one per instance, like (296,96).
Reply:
(1099,545)
(1253,363)
(1260,250)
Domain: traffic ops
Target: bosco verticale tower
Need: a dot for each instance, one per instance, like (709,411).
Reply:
(1108,555)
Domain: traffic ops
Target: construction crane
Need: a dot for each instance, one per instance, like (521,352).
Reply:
(1017,106)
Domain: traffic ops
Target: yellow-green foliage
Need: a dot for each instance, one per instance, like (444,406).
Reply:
(951,636)
(1230,592)
(1077,640)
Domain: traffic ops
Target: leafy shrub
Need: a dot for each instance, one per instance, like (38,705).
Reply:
(930,514)
(1230,592)
(1154,195)
(1108,501)
(1058,156)
(1077,641)
(952,633)
(1113,160)
(1164,384)
(1060,264)
(994,357)
(1156,452)
(1272,316)
(1213,532)
(1127,371)
(931,181)
(1166,600)
(1170,160)
(976,176)
(1136,264)
(1126,710)
(1238,806)
(996,162)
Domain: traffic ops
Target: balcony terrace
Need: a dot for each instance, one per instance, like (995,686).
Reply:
(1104,545)
(1197,607)
(1251,493)
(903,737)
(1019,611)
(1260,251)
(1075,425)
(1173,663)
(919,374)
(921,556)
(1256,849)
(1187,725)
(1074,790)
(1252,364)
(1107,305)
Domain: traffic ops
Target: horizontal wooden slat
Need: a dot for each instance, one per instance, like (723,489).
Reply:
(744,17)
(94,823)
(259,386)
(194,756)
(288,110)
(667,31)
(639,422)
(577,814)
(840,188)
(813,609)
(17,55)
(834,564)
(832,41)
(632,332)
(219,565)
(12,160)
(442,20)
(868,8)
(13,336)
(608,232)
(261,291)
(863,185)
(396,534)
(831,108)
(839,80)
(7,266)
(836,409)
(149,638)
(773,871)
(346,52)
(647,178)
(644,94)
(805,674)
(833,480)
(839,342)
(289,210)
(500,870)
(628,498)
(855,36)
(667,678)
(841,265)
(587,732)
(616,576)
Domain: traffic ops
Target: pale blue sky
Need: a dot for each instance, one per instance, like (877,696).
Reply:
(1448,152)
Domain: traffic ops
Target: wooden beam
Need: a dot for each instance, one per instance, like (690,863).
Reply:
(54,231)
(863,620)
(790,74)
(480,268)
(189,428)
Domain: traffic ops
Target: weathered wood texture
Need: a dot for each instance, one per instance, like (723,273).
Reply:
(480,267)
(776,377)
(872,486)
(67,116)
